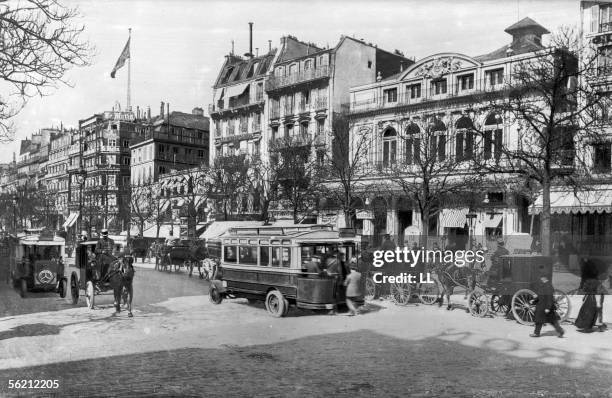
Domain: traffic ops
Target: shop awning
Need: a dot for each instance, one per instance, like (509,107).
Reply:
(71,220)
(234,91)
(453,218)
(492,220)
(568,202)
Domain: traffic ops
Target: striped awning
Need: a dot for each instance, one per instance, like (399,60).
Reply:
(597,200)
(71,220)
(453,218)
(492,220)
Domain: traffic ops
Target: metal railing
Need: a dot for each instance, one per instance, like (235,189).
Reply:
(455,90)
(321,103)
(292,140)
(275,82)
(605,27)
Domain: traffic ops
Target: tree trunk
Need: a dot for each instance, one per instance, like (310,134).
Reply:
(425,227)
(348,218)
(545,236)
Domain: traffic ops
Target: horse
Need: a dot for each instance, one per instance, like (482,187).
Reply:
(450,277)
(121,277)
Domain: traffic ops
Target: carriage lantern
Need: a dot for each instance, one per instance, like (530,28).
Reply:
(471,216)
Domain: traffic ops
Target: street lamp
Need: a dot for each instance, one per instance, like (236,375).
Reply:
(81,175)
(15,201)
(471,216)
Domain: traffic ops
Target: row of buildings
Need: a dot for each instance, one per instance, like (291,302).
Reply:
(294,93)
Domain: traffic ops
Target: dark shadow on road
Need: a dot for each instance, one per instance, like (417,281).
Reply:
(357,364)
(31,330)
(368,307)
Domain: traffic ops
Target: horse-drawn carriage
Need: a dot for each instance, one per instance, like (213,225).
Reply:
(98,273)
(36,262)
(184,253)
(514,291)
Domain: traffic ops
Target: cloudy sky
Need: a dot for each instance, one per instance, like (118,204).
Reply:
(178,46)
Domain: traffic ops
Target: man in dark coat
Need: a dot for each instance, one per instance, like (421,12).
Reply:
(545,307)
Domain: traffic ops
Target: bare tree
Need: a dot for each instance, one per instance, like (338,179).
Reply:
(428,175)
(552,101)
(227,179)
(299,175)
(39,42)
(142,205)
(194,192)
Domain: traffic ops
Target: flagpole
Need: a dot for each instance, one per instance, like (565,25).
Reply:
(129,79)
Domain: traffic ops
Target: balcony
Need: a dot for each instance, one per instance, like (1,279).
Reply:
(304,106)
(243,128)
(236,105)
(455,91)
(278,82)
(321,103)
(290,141)
(232,138)
(275,113)
(605,27)
(256,127)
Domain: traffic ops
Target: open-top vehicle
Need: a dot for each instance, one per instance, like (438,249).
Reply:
(270,264)
(514,291)
(36,262)
(183,253)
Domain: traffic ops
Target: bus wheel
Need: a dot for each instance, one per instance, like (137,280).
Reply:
(214,295)
(276,303)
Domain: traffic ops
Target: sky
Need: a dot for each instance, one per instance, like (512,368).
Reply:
(178,46)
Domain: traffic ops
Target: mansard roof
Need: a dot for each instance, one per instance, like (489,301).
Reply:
(238,68)
(527,24)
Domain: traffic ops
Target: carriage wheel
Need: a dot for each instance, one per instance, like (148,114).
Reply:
(214,295)
(74,289)
(400,293)
(23,288)
(63,285)
(478,304)
(428,293)
(498,305)
(523,311)
(276,304)
(370,288)
(90,295)
(562,304)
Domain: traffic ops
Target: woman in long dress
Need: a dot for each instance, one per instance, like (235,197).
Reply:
(593,289)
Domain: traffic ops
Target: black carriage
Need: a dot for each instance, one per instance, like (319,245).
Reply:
(35,262)
(91,272)
(183,253)
(514,291)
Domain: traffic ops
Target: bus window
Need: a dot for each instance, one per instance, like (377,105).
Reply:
(281,257)
(248,255)
(264,256)
(229,254)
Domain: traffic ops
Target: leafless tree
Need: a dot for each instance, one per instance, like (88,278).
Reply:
(228,179)
(40,40)
(552,107)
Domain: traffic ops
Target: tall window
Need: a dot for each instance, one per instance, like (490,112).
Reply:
(495,77)
(437,140)
(413,144)
(414,91)
(389,147)
(464,139)
(605,18)
(465,82)
(493,136)
(390,95)
(438,87)
(604,60)
(602,157)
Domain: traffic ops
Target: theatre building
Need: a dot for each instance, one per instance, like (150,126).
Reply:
(435,105)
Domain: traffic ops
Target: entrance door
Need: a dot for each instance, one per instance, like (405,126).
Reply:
(405,220)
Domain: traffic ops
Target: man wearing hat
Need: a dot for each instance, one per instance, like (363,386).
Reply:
(545,305)
(105,246)
(496,261)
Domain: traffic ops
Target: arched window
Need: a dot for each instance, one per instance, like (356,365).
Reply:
(389,147)
(464,139)
(493,130)
(437,140)
(413,144)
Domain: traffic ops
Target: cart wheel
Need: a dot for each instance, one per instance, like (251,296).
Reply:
(74,289)
(63,285)
(523,311)
(562,304)
(276,303)
(90,294)
(498,305)
(214,295)
(478,304)
(428,293)
(286,307)
(23,288)
(370,288)
(400,293)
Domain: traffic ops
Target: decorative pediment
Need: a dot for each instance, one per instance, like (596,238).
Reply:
(438,67)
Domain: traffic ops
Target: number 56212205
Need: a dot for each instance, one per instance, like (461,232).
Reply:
(27,384)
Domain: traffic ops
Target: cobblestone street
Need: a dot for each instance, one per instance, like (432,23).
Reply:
(186,346)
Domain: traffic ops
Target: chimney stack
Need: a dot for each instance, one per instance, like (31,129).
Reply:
(197,111)
(250,53)
(161,109)
(148,113)
(269,46)
(168,112)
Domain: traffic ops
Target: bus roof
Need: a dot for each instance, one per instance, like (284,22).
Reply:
(34,240)
(273,230)
(323,235)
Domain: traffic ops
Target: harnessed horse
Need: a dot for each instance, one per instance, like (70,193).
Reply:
(121,277)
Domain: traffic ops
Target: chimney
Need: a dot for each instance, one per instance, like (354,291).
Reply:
(257,51)
(197,111)
(149,113)
(250,53)
(168,111)
(269,46)
(137,112)
(161,109)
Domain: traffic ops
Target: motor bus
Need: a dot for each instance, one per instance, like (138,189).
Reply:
(268,263)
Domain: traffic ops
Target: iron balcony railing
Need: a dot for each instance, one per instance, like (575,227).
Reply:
(235,103)
(293,140)
(321,103)
(455,90)
(276,82)
(605,27)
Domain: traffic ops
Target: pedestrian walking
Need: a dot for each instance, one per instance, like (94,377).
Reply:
(354,293)
(545,306)
(594,291)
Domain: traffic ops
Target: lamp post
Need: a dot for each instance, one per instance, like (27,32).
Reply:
(471,216)
(81,175)
(15,202)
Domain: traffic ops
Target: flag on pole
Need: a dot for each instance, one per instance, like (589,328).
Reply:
(125,54)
